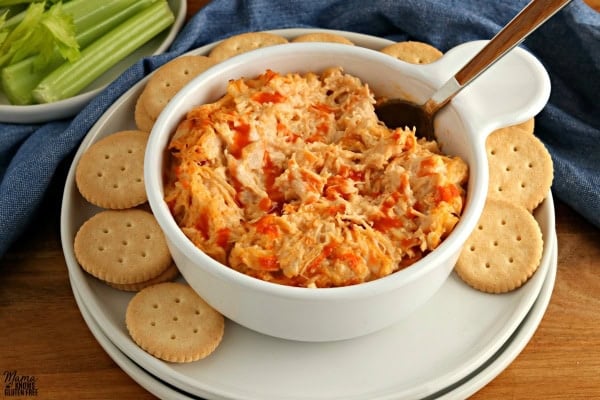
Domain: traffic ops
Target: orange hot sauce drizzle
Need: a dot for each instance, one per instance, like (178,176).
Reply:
(202,225)
(268,263)
(223,237)
(446,193)
(241,139)
(267,97)
(388,222)
(266,226)
(427,167)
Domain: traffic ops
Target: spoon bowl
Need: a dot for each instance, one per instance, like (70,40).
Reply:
(404,113)
(400,113)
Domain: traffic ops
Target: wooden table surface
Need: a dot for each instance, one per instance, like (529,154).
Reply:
(43,335)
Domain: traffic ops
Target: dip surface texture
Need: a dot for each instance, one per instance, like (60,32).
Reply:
(292,179)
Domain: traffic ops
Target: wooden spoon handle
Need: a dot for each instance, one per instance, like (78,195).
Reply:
(529,19)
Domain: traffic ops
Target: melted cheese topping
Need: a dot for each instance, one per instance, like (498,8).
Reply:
(292,179)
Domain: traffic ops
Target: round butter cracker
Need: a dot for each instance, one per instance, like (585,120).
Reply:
(110,174)
(520,167)
(167,275)
(122,246)
(413,52)
(524,127)
(503,251)
(173,323)
(244,42)
(322,37)
(143,120)
(164,83)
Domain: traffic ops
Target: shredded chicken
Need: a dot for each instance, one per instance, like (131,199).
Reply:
(292,179)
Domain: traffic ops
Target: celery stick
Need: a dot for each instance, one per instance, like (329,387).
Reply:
(111,14)
(19,79)
(72,77)
(85,12)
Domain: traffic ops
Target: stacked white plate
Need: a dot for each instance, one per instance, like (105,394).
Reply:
(449,348)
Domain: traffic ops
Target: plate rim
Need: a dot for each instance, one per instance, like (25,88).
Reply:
(511,350)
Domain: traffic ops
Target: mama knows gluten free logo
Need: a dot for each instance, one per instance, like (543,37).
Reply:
(19,385)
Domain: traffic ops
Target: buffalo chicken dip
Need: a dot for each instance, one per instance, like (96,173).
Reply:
(291,178)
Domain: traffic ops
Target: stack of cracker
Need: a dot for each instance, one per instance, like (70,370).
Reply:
(123,244)
(163,84)
(505,249)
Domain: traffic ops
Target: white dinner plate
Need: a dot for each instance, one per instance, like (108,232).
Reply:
(38,113)
(459,390)
(444,341)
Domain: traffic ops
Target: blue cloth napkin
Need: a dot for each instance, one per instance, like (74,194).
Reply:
(568,45)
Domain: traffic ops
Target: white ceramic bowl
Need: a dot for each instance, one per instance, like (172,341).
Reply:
(39,113)
(513,90)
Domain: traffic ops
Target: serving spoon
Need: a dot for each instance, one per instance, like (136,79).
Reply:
(397,112)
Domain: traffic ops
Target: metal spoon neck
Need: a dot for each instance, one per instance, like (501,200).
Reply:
(442,96)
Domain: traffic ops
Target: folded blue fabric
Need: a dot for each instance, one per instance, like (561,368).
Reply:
(568,45)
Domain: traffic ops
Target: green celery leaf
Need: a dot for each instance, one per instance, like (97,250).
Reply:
(61,27)
(17,39)
(40,34)
(3,32)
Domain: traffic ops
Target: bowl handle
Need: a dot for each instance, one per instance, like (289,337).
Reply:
(511,91)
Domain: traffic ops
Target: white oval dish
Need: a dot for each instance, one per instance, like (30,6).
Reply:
(459,328)
(39,113)
(513,90)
